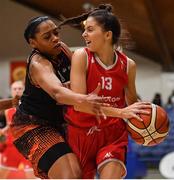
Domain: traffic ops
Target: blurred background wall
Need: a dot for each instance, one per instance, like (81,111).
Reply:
(13,18)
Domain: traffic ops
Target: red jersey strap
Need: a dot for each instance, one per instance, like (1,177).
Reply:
(89,57)
(122,57)
(88,52)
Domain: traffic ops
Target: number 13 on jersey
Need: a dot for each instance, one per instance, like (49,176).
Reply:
(106,83)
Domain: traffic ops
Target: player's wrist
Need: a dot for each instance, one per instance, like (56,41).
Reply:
(119,113)
(80,99)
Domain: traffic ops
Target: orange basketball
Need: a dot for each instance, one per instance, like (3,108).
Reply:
(152,130)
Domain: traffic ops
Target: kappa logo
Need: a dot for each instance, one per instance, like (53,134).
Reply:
(108,155)
(92,60)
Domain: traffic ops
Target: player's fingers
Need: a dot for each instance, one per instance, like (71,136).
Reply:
(144,106)
(138,117)
(143,112)
(102,114)
(98,118)
(97,113)
(97,90)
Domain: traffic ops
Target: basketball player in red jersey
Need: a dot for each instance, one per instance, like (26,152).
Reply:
(101,144)
(13,164)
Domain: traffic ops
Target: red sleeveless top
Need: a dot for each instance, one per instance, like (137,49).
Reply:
(113,79)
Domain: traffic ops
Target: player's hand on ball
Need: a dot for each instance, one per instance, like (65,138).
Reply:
(152,130)
(134,110)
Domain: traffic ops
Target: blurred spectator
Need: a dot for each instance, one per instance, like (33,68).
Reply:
(157,99)
(172,97)
(170,104)
(13,164)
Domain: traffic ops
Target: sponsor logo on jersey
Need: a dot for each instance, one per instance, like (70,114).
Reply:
(112,100)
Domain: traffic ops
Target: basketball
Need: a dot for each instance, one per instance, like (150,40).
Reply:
(152,130)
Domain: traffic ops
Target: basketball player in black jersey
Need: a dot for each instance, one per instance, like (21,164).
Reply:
(37,124)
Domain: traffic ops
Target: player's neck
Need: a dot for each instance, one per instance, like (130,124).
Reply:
(106,56)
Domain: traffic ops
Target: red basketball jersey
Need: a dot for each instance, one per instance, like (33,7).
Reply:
(113,79)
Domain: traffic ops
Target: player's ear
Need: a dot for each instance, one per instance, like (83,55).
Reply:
(32,43)
(109,35)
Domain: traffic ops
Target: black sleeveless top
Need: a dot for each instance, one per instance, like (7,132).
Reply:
(35,101)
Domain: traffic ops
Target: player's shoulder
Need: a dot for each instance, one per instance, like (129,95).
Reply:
(39,62)
(131,62)
(80,52)
(38,58)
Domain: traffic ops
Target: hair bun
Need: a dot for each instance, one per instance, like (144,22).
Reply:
(107,7)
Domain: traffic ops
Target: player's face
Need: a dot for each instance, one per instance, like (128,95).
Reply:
(94,35)
(47,38)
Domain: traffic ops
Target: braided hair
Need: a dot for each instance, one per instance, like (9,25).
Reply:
(104,16)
